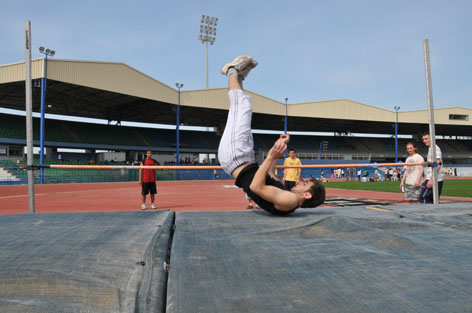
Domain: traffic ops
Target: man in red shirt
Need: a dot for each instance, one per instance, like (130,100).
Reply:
(147,180)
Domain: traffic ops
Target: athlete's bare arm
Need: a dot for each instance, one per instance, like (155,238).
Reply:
(140,174)
(282,200)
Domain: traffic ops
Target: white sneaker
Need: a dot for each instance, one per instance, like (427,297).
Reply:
(243,64)
(143,207)
(245,72)
(153,206)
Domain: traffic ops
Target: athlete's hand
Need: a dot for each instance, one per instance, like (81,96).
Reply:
(277,149)
(285,138)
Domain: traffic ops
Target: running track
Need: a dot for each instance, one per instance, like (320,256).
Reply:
(178,196)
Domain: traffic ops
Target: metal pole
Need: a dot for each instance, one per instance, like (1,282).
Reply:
(177,154)
(286,109)
(396,140)
(432,132)
(396,134)
(206,65)
(285,122)
(177,157)
(42,122)
(29,115)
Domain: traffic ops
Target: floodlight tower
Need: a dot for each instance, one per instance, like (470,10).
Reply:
(47,52)
(207,35)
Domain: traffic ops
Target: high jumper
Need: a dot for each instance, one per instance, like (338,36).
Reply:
(236,153)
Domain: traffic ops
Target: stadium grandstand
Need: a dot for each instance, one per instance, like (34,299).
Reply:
(322,131)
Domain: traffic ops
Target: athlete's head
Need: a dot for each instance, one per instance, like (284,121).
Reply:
(292,152)
(148,154)
(313,192)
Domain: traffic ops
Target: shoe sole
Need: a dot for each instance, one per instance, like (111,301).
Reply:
(246,71)
(237,62)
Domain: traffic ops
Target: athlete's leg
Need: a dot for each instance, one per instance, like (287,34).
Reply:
(237,145)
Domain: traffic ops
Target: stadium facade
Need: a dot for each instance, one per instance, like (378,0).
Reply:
(117,92)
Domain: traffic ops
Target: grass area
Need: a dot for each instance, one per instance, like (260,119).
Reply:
(453,188)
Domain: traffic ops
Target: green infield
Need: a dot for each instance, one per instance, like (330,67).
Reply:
(453,188)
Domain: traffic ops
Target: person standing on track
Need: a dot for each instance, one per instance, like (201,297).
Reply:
(291,175)
(412,175)
(426,194)
(236,153)
(147,180)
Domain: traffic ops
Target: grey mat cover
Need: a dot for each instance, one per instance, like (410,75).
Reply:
(84,262)
(414,259)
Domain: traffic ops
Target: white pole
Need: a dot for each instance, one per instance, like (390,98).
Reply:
(29,115)
(432,132)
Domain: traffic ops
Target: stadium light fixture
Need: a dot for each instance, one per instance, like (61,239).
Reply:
(207,35)
(47,52)
(177,126)
(396,133)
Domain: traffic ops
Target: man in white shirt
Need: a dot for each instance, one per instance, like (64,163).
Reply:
(426,194)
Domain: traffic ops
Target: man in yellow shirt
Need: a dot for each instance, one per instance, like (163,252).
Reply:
(291,175)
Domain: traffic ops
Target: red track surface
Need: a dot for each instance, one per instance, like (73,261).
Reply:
(175,195)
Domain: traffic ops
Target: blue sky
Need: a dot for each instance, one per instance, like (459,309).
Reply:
(366,51)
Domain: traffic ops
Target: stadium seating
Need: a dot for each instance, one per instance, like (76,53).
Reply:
(99,134)
(158,138)
(83,135)
(13,169)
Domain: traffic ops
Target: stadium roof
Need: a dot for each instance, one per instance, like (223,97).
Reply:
(118,92)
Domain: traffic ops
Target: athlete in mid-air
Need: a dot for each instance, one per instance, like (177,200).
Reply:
(236,153)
